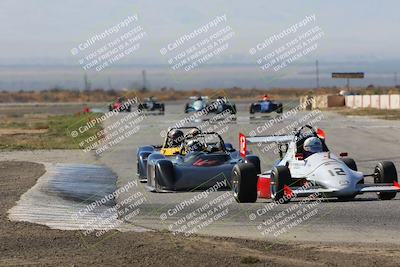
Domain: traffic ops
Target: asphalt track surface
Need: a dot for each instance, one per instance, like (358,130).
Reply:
(366,219)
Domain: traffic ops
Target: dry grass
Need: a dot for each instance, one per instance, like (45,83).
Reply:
(386,114)
(43,132)
(100,95)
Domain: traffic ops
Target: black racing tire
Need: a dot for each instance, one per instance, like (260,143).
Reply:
(253,159)
(162,108)
(129,108)
(252,111)
(244,183)
(385,172)
(233,109)
(110,108)
(280,176)
(279,109)
(352,166)
(187,108)
(350,163)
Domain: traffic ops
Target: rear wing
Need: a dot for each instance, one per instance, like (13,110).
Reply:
(196,97)
(244,140)
(269,139)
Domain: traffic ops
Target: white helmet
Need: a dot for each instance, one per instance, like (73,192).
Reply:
(313,145)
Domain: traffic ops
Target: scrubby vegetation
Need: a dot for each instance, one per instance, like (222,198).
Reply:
(100,95)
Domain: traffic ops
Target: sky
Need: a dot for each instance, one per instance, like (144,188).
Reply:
(44,31)
(37,37)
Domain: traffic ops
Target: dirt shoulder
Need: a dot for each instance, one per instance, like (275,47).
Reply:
(386,114)
(30,244)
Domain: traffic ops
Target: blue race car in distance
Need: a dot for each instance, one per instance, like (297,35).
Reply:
(266,105)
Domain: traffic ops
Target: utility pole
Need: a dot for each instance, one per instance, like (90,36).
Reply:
(109,83)
(144,87)
(317,73)
(86,82)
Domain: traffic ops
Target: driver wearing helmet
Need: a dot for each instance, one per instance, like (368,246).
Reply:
(312,145)
(194,146)
(265,98)
(193,133)
(175,137)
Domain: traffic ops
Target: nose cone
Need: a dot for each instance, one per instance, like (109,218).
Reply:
(336,175)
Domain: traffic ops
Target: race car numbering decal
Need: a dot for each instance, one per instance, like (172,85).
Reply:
(337,171)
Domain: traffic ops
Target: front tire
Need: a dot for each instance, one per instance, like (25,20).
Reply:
(385,172)
(280,176)
(244,183)
(164,177)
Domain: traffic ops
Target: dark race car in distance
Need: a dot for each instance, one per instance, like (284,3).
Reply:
(266,105)
(217,106)
(220,105)
(151,104)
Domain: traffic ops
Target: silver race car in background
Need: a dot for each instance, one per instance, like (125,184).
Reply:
(303,172)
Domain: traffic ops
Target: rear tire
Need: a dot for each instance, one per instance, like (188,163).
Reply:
(253,159)
(280,176)
(233,109)
(244,183)
(252,109)
(385,172)
(279,109)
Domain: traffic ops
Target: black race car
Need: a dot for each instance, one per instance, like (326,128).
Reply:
(221,105)
(150,104)
(217,106)
(201,163)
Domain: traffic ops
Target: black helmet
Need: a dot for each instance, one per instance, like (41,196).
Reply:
(175,138)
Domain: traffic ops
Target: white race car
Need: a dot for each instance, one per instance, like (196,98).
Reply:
(306,167)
